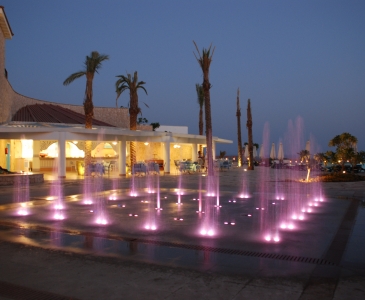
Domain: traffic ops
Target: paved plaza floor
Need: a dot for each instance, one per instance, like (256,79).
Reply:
(256,249)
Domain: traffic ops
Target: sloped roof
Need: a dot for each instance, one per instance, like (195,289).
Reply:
(4,24)
(50,113)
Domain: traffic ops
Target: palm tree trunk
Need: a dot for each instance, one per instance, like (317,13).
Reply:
(89,113)
(201,126)
(133,113)
(208,123)
(201,123)
(88,102)
(239,139)
(250,139)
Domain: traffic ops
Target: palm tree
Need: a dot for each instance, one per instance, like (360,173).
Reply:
(250,139)
(200,98)
(204,61)
(345,144)
(92,65)
(131,84)
(304,155)
(239,138)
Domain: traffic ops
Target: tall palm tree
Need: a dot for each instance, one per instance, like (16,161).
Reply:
(239,138)
(92,65)
(250,139)
(131,84)
(204,61)
(200,95)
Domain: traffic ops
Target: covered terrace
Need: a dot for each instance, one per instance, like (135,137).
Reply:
(27,143)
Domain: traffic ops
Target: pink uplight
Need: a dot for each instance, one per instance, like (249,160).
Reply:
(150,227)
(22,212)
(101,221)
(59,216)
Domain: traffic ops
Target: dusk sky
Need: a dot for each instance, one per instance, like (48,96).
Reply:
(293,59)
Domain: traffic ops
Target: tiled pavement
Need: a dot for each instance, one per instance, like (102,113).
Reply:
(28,272)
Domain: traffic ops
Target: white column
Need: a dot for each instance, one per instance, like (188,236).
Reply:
(62,155)
(195,152)
(167,156)
(36,160)
(122,152)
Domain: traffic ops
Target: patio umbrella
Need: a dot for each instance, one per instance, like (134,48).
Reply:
(254,152)
(262,152)
(247,154)
(273,152)
(281,152)
(308,146)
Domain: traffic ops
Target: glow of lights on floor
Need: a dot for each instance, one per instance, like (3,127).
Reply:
(269,238)
(178,219)
(150,227)
(287,226)
(22,212)
(209,232)
(229,223)
(59,216)
(101,221)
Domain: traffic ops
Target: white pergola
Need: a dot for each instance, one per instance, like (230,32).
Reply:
(72,132)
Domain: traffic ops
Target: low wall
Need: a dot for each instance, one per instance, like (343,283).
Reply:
(12,179)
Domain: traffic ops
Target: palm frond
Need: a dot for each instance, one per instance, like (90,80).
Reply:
(93,62)
(141,87)
(73,76)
